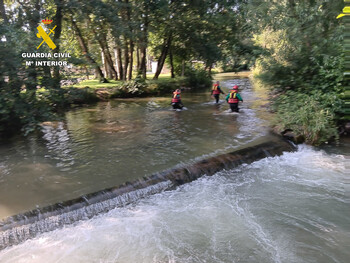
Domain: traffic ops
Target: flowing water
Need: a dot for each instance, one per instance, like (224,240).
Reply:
(291,208)
(107,144)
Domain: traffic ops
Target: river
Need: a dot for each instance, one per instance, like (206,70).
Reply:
(291,208)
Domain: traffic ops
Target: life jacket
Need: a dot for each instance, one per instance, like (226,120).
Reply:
(216,89)
(176,97)
(233,97)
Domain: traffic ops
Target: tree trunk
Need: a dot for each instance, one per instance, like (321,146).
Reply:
(131,42)
(85,50)
(131,59)
(119,62)
(143,66)
(210,68)
(183,68)
(105,65)
(108,57)
(161,60)
(171,64)
(110,71)
(34,19)
(138,59)
(56,39)
(144,42)
(2,11)
(126,59)
(47,78)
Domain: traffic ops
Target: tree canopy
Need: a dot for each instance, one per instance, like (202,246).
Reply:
(293,46)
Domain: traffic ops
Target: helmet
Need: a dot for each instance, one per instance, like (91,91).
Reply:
(234,89)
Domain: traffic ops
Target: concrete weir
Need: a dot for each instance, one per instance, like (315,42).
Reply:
(18,228)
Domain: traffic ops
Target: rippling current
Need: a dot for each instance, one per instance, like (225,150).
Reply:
(292,208)
(107,144)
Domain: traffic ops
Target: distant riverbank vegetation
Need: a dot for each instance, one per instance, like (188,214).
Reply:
(302,60)
(125,48)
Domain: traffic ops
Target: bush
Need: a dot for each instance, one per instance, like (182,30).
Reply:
(164,86)
(312,117)
(133,88)
(23,112)
(198,78)
(80,96)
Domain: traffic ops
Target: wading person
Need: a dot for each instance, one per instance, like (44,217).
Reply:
(176,100)
(216,91)
(233,98)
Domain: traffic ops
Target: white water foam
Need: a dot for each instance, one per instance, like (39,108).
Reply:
(292,208)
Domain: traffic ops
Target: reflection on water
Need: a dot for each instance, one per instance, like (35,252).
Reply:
(288,209)
(112,142)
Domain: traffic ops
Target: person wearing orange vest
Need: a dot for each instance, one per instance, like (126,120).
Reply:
(176,100)
(233,98)
(216,91)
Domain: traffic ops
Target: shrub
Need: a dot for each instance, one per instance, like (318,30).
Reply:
(198,79)
(164,86)
(80,96)
(312,117)
(133,88)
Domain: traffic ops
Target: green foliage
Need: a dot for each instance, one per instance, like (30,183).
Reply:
(80,96)
(164,86)
(312,117)
(133,88)
(302,61)
(197,79)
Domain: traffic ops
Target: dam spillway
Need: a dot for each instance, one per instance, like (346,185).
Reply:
(21,227)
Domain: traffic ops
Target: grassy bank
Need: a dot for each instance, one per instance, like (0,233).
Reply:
(93,90)
(231,75)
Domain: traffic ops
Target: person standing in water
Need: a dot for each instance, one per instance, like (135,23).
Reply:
(176,100)
(216,91)
(233,98)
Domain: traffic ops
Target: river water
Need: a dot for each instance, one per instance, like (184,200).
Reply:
(107,144)
(292,208)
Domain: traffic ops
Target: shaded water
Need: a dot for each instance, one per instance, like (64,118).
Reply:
(104,145)
(292,208)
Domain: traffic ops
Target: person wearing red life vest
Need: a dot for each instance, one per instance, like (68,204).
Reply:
(176,100)
(233,98)
(216,91)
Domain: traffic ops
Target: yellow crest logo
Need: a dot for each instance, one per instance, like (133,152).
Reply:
(42,34)
(346,12)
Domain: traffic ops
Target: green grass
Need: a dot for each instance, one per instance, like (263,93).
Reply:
(161,76)
(242,74)
(95,84)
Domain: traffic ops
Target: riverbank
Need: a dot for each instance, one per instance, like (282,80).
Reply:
(93,90)
(49,104)
(313,118)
